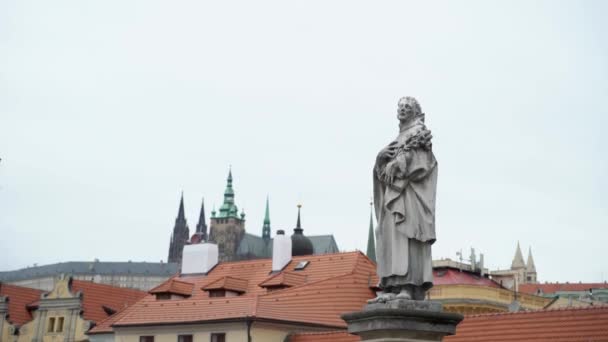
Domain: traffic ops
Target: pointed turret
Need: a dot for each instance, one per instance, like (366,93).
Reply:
(228,208)
(300,244)
(530,267)
(181,216)
(518,259)
(266,226)
(201,227)
(371,243)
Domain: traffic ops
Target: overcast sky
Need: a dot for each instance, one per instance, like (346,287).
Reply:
(109,109)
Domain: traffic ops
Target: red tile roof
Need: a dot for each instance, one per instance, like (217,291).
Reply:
(18,299)
(329,336)
(450,276)
(335,283)
(560,325)
(588,324)
(228,283)
(284,279)
(95,296)
(174,286)
(552,288)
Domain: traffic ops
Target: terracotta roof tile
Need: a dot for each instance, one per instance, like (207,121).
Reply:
(552,288)
(336,283)
(449,276)
(228,283)
(560,325)
(95,296)
(328,336)
(174,286)
(284,279)
(18,300)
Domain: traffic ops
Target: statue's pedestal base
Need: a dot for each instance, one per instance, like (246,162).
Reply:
(402,321)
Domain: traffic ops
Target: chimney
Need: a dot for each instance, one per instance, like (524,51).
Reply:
(199,258)
(281,251)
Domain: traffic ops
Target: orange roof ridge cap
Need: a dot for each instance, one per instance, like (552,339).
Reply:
(550,310)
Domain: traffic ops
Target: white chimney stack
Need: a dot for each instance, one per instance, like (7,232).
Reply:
(199,258)
(281,251)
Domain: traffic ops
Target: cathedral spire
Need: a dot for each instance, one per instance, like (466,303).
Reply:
(266,226)
(371,244)
(181,216)
(518,259)
(180,235)
(228,208)
(201,227)
(530,267)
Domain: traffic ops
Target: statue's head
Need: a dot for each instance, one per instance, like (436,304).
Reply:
(408,108)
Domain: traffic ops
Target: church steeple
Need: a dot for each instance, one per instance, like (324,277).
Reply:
(181,216)
(180,235)
(266,226)
(201,227)
(228,208)
(518,259)
(371,243)
(530,267)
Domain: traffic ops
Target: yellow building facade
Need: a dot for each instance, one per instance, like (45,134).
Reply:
(478,299)
(57,317)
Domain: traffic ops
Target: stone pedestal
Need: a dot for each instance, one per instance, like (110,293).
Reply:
(402,321)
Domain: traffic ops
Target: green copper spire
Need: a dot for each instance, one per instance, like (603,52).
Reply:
(371,244)
(266,227)
(228,208)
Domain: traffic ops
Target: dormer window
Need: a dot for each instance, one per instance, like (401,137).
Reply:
(226,287)
(163,296)
(283,280)
(173,289)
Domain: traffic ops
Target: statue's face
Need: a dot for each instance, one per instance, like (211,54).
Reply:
(406,109)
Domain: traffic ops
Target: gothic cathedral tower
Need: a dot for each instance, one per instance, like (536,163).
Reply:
(227,227)
(180,235)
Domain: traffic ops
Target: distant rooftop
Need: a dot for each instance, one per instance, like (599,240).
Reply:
(92,268)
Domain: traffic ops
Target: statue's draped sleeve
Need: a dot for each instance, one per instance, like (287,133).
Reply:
(409,202)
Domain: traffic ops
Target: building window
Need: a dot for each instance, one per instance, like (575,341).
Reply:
(59,325)
(163,296)
(218,337)
(217,293)
(51,326)
(146,338)
(184,338)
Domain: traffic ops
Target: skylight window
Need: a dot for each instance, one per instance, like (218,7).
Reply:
(301,265)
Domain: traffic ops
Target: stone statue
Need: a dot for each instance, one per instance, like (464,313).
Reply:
(405,184)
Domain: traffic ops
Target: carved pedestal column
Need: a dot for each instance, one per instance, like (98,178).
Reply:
(402,321)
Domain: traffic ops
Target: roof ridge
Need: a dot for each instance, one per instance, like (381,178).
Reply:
(292,259)
(107,286)
(563,309)
(331,332)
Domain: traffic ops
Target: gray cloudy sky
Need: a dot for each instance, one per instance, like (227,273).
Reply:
(108,109)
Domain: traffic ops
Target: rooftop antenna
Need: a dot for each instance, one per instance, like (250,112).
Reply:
(459,253)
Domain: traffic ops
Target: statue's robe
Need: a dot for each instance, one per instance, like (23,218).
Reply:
(405,210)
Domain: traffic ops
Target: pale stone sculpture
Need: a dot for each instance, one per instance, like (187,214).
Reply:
(405,184)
